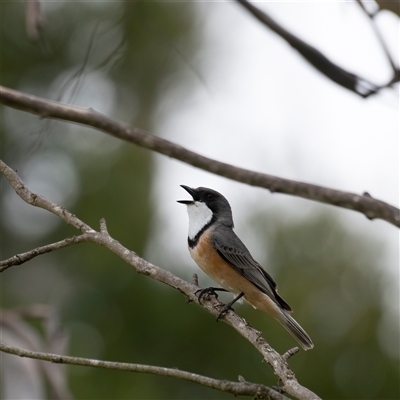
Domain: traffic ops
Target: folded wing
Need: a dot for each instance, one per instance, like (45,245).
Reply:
(232,250)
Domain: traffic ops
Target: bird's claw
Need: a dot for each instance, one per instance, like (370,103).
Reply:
(202,292)
(224,310)
(212,291)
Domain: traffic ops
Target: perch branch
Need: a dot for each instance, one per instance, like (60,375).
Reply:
(103,238)
(370,207)
(235,388)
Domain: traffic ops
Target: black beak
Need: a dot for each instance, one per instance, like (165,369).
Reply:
(191,192)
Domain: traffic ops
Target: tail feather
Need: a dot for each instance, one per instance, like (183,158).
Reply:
(296,330)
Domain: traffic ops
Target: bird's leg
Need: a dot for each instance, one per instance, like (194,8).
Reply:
(209,290)
(228,306)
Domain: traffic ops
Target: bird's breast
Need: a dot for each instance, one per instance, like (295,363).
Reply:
(208,259)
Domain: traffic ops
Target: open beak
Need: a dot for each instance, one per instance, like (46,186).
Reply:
(191,192)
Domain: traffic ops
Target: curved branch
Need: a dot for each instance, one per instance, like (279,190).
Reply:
(370,207)
(103,238)
(236,388)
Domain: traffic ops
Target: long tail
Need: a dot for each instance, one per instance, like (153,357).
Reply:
(295,330)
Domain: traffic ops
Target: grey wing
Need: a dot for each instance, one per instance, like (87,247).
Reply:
(232,250)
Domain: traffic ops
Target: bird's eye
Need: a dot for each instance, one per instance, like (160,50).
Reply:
(210,196)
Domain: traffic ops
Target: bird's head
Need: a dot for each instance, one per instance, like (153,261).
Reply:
(206,206)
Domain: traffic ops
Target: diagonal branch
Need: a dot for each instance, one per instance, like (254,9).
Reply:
(40,201)
(279,365)
(370,207)
(236,388)
(318,60)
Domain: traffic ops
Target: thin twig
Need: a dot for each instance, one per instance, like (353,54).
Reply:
(370,207)
(379,36)
(235,388)
(290,353)
(21,258)
(280,366)
(103,225)
(337,74)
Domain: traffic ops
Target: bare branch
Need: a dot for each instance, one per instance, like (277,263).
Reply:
(379,36)
(337,74)
(195,280)
(241,388)
(103,226)
(279,365)
(40,201)
(391,5)
(290,353)
(21,258)
(370,207)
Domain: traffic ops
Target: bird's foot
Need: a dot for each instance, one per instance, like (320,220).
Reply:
(224,309)
(210,291)
(228,306)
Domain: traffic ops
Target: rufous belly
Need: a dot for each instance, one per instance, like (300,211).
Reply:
(207,258)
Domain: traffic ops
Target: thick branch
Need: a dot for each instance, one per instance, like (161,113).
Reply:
(279,365)
(369,206)
(235,388)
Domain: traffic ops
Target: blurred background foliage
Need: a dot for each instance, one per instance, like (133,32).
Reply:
(119,58)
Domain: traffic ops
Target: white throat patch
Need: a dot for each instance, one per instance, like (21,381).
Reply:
(199,216)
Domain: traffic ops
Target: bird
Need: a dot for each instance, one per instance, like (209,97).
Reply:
(219,252)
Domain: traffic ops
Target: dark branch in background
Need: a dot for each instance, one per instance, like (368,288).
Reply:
(367,205)
(74,82)
(337,74)
(102,238)
(390,5)
(241,388)
(379,36)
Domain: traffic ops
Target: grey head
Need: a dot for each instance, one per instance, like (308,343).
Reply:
(207,207)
